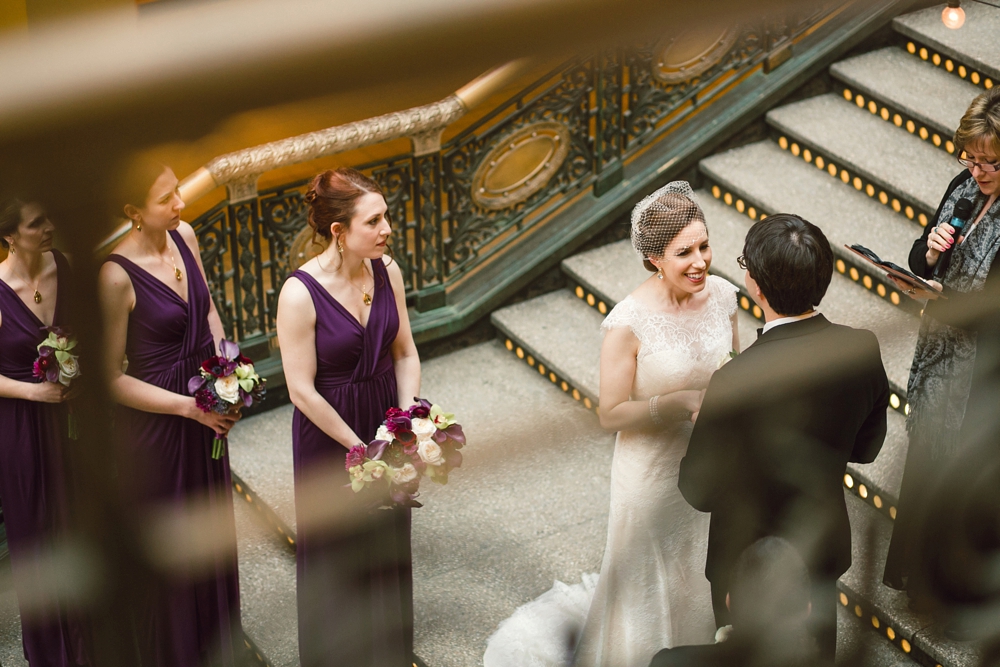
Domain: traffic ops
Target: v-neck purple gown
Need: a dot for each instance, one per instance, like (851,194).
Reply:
(355,585)
(193,617)
(32,478)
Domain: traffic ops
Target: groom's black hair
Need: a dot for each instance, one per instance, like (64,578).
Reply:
(791,261)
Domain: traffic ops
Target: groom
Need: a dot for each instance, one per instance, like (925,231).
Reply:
(780,422)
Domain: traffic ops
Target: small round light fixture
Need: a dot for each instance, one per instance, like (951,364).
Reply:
(953,16)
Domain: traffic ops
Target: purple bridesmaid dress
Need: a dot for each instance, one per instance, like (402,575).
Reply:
(354,586)
(192,618)
(32,479)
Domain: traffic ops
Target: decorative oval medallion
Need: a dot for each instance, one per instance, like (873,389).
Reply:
(520,166)
(692,52)
(303,248)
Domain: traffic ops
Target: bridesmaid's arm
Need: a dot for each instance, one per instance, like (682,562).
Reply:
(406,360)
(117,300)
(40,392)
(618,411)
(296,321)
(214,321)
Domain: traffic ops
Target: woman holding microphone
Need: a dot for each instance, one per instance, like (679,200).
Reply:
(959,336)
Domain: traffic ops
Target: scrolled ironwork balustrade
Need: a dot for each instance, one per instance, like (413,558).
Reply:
(612,106)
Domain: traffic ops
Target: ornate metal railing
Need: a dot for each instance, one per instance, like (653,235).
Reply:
(455,208)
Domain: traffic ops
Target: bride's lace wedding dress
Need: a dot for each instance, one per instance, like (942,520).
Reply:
(651,592)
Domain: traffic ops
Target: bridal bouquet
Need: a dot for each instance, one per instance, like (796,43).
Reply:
(421,441)
(56,362)
(224,382)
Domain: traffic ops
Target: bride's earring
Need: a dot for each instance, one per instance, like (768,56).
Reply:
(659,274)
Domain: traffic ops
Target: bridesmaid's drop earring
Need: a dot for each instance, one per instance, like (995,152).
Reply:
(340,248)
(138,226)
(12,251)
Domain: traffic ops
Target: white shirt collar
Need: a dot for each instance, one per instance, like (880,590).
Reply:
(786,320)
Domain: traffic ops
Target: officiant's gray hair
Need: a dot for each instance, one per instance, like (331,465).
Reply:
(660,217)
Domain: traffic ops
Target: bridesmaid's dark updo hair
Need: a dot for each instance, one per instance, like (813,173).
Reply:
(332,197)
(10,219)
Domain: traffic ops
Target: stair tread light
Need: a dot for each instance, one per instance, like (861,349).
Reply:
(953,16)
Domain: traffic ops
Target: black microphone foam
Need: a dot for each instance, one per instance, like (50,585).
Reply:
(960,216)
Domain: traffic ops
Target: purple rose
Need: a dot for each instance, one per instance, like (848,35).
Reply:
(398,422)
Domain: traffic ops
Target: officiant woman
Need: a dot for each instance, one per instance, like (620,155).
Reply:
(952,390)
(33,292)
(348,357)
(160,324)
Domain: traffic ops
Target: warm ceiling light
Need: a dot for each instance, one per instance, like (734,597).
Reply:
(953,15)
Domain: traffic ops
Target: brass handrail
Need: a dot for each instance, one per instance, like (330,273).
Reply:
(240,169)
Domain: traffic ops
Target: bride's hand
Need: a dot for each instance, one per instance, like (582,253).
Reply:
(683,405)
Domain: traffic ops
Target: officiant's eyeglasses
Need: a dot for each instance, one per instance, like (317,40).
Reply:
(988,167)
(742,261)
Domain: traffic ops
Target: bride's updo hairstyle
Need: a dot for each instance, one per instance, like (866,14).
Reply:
(332,197)
(660,217)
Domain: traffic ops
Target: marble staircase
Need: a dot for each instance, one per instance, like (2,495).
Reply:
(868,163)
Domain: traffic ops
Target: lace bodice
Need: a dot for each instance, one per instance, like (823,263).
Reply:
(678,351)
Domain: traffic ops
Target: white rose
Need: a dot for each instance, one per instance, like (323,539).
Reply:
(423,428)
(68,370)
(405,475)
(383,434)
(228,388)
(430,452)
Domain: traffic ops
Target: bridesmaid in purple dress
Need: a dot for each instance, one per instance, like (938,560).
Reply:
(160,324)
(32,480)
(348,357)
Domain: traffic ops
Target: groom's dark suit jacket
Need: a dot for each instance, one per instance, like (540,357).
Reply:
(776,430)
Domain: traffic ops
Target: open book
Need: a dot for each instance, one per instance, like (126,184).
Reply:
(894,270)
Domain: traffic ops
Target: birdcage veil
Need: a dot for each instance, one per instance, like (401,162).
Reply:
(661,216)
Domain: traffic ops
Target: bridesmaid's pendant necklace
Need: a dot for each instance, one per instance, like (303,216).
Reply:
(177,272)
(37,296)
(366,298)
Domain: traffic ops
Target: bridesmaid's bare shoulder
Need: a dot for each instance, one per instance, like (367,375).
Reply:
(395,275)
(187,233)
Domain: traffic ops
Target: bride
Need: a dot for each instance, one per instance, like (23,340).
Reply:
(662,343)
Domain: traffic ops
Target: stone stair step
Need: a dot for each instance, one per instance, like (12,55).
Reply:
(974,44)
(858,646)
(562,333)
(854,140)
(817,197)
(864,594)
(267,589)
(915,89)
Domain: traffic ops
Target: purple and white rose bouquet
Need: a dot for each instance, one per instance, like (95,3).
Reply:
(422,441)
(226,383)
(57,362)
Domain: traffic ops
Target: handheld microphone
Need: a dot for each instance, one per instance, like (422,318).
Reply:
(960,216)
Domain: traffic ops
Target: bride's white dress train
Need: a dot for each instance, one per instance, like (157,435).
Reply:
(651,592)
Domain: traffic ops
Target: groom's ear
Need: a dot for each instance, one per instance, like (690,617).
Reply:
(729,605)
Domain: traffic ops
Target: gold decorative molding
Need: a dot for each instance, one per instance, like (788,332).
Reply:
(520,166)
(423,125)
(693,52)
